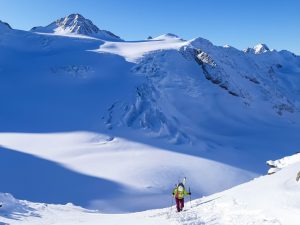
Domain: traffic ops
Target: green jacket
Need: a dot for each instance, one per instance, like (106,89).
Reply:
(180,194)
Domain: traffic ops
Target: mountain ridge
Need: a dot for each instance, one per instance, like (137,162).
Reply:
(76,24)
(4,25)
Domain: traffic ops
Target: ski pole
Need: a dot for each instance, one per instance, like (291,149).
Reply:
(172,202)
(190,197)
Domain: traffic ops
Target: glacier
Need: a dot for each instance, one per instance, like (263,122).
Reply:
(84,112)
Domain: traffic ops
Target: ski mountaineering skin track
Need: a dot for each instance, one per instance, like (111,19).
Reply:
(278,205)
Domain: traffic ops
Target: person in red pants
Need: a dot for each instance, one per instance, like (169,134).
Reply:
(178,193)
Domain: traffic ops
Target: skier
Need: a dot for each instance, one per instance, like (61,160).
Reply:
(178,193)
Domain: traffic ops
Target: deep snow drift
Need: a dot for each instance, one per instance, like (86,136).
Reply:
(268,200)
(82,115)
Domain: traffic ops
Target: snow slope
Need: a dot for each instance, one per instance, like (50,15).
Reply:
(132,51)
(129,173)
(268,200)
(82,115)
(44,108)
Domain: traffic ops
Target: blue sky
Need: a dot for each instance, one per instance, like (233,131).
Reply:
(240,23)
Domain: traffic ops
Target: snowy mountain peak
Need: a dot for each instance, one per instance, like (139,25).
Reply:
(201,43)
(76,24)
(258,49)
(4,25)
(166,36)
(261,48)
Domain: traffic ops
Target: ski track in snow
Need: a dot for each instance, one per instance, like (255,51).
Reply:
(252,203)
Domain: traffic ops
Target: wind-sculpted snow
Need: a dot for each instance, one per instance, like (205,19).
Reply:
(279,164)
(10,204)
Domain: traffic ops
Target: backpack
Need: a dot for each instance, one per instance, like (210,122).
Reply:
(181,184)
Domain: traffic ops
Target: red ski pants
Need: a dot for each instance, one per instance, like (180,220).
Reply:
(179,204)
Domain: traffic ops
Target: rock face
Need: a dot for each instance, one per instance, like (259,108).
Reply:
(279,164)
(76,24)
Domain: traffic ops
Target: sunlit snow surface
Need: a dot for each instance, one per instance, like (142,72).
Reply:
(114,125)
(268,200)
